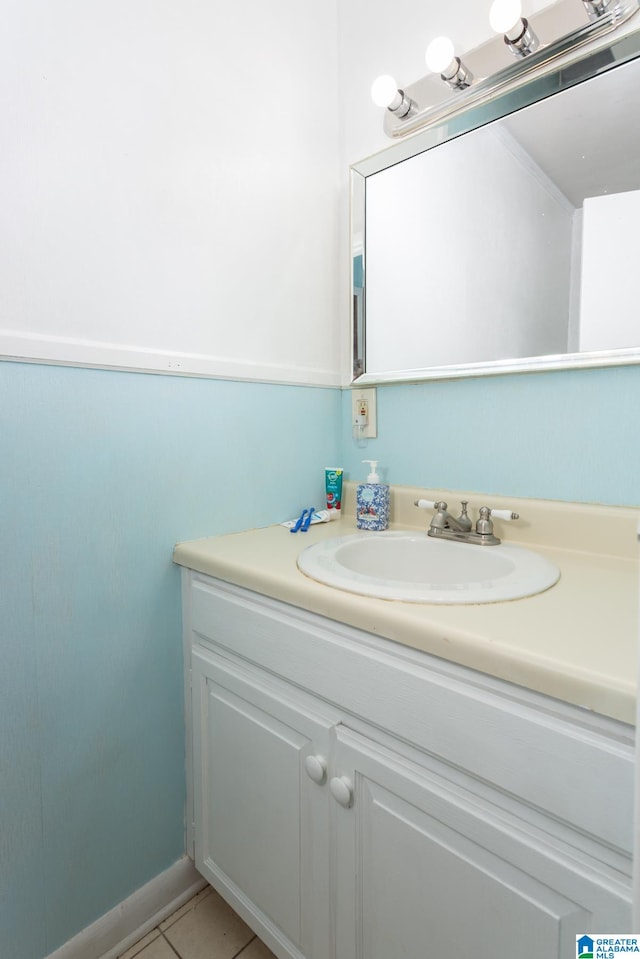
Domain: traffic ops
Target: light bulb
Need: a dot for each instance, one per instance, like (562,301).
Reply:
(384,90)
(504,15)
(439,54)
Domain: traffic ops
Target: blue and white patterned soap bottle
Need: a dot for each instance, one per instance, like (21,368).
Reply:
(372,502)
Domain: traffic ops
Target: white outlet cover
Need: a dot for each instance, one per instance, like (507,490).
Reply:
(371,430)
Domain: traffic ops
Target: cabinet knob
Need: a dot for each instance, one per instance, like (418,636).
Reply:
(316,767)
(342,790)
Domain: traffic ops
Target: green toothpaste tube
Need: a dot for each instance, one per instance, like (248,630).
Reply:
(333,487)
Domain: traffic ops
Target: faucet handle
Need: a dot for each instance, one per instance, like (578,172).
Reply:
(504,514)
(484,523)
(425,504)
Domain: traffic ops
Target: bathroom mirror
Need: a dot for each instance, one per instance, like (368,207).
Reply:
(504,239)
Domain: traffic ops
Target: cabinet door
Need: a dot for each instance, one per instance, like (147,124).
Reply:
(261,803)
(424,867)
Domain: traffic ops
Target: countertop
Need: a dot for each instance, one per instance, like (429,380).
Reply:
(576,641)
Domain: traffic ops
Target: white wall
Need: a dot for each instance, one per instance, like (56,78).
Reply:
(169,185)
(202,224)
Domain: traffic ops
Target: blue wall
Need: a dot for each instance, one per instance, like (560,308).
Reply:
(572,435)
(102,472)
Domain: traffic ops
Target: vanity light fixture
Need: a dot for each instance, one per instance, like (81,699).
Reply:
(441,58)
(386,93)
(598,8)
(506,18)
(559,30)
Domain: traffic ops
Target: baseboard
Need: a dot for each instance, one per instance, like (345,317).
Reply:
(112,934)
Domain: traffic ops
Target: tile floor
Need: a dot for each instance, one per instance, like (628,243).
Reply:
(204,928)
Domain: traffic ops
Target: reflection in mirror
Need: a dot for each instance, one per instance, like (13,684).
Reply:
(510,247)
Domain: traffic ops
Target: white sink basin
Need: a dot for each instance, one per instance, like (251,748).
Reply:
(416,568)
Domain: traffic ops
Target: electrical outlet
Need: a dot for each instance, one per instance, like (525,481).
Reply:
(363,403)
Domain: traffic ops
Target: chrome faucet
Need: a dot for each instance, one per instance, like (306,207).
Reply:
(460,529)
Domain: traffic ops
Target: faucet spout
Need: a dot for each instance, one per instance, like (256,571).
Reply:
(443,520)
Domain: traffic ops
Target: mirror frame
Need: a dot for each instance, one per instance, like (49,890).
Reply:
(622,48)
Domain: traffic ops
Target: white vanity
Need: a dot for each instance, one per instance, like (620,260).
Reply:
(375,779)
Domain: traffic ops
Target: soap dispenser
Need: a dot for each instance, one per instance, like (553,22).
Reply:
(372,501)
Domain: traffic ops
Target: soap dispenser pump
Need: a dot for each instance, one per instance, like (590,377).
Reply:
(372,501)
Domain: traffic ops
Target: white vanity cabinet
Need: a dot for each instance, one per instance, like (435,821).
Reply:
(261,816)
(427,867)
(355,799)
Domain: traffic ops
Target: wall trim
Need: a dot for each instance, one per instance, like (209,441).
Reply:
(23,347)
(121,927)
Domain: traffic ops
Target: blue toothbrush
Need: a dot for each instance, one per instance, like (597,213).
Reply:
(299,522)
(306,522)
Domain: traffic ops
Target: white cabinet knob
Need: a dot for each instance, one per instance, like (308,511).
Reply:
(342,790)
(316,767)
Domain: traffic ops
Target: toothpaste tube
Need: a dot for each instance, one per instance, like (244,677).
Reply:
(333,487)
(320,516)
